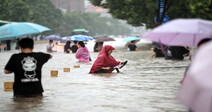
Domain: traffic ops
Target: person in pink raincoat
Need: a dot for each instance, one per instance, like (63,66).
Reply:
(82,53)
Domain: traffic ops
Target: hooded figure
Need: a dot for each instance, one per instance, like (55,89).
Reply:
(104,61)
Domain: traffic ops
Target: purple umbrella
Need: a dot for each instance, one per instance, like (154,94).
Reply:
(52,37)
(181,32)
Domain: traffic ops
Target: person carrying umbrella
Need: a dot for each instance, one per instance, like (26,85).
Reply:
(132,46)
(50,46)
(26,67)
(201,44)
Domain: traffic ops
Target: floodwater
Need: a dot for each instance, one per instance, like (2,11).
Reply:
(144,85)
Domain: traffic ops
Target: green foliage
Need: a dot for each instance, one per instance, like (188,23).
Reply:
(202,9)
(44,13)
(14,10)
(138,12)
(95,24)
(37,11)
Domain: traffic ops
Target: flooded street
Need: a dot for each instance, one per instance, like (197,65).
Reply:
(144,85)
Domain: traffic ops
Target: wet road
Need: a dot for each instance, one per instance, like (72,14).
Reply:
(144,85)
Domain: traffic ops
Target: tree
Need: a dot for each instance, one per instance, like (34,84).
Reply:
(37,11)
(94,23)
(14,10)
(44,13)
(202,8)
(138,12)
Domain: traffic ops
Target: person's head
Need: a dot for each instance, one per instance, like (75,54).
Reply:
(68,42)
(50,41)
(101,43)
(133,41)
(203,41)
(26,43)
(75,42)
(108,49)
(81,44)
(109,52)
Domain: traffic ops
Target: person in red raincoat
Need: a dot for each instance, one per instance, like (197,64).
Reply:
(104,61)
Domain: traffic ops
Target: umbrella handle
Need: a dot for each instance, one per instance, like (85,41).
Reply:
(117,70)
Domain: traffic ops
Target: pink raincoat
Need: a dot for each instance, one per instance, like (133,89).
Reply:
(83,54)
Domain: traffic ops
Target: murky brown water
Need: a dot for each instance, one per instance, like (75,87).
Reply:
(144,85)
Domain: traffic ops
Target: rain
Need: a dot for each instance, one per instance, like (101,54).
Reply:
(150,55)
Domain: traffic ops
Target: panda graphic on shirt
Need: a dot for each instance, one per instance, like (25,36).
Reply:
(29,65)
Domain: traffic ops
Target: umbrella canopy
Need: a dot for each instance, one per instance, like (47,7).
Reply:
(53,37)
(3,22)
(181,32)
(102,39)
(80,30)
(79,38)
(17,29)
(131,38)
(196,89)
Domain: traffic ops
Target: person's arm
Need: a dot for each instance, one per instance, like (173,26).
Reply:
(153,54)
(10,66)
(7,71)
(45,57)
(50,56)
(106,68)
(78,53)
(51,46)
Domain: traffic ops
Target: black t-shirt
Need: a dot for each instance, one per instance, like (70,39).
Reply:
(74,48)
(158,52)
(132,47)
(27,70)
(178,52)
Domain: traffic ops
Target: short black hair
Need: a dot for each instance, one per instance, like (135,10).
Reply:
(75,42)
(81,43)
(203,41)
(26,43)
(133,41)
(50,40)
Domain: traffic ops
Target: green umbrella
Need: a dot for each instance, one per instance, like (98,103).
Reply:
(80,30)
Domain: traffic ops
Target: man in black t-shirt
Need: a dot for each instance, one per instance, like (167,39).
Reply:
(27,67)
(157,52)
(74,47)
(132,46)
(178,52)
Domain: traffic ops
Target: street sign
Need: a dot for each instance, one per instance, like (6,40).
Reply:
(165,19)
(161,7)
